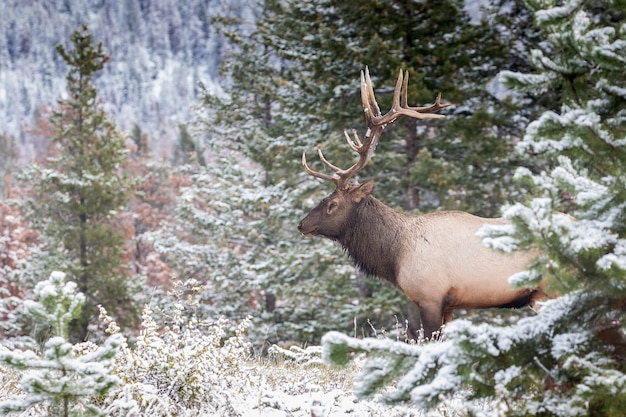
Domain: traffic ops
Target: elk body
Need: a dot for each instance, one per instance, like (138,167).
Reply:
(435,259)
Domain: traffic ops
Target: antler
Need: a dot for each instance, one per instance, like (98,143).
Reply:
(375,125)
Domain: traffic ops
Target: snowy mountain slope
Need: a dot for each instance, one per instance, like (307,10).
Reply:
(160,50)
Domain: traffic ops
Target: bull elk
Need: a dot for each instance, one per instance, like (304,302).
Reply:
(436,259)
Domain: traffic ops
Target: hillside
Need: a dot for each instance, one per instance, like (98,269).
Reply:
(160,51)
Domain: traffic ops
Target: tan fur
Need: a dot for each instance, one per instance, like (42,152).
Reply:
(449,268)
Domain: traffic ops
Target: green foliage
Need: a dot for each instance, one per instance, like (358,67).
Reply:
(387,360)
(313,51)
(187,150)
(478,162)
(81,188)
(331,41)
(140,139)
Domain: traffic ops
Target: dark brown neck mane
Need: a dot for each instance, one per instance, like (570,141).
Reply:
(373,238)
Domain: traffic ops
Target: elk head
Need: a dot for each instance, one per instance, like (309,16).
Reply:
(331,216)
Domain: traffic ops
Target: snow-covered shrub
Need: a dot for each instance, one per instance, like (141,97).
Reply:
(310,356)
(189,367)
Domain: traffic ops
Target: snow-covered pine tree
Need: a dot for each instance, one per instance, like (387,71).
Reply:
(569,359)
(63,379)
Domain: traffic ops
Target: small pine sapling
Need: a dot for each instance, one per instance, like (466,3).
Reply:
(63,378)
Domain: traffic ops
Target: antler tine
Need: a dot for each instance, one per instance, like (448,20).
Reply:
(316,174)
(405,89)
(426,109)
(436,105)
(370,106)
(354,144)
(400,90)
(328,164)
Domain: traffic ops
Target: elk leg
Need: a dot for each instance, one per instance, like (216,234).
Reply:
(536,298)
(432,318)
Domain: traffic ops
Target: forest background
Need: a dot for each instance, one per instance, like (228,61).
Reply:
(206,208)
(229,143)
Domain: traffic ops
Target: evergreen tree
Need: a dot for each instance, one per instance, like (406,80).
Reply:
(80,189)
(186,149)
(64,378)
(568,360)
(8,161)
(140,139)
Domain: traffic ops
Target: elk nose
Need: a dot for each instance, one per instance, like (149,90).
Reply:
(300,226)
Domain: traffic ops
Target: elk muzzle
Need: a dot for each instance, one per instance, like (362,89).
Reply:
(307,230)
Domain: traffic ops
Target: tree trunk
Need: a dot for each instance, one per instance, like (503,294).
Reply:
(270,302)
(413,147)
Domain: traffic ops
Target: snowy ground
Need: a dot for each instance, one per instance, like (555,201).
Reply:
(320,391)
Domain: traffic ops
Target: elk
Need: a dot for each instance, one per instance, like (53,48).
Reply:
(436,259)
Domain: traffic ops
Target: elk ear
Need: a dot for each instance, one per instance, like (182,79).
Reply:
(362,191)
